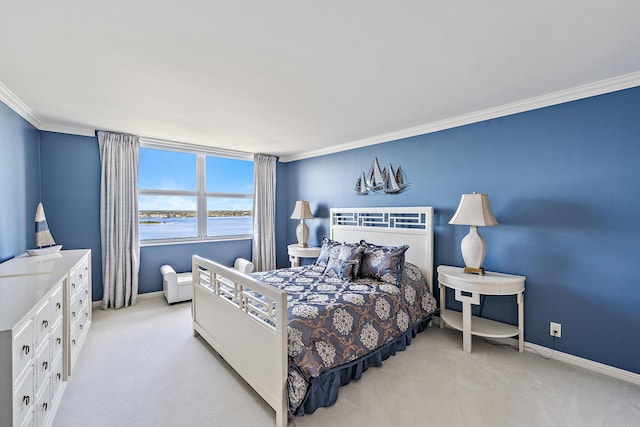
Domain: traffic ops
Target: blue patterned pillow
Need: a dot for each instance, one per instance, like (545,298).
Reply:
(329,247)
(346,262)
(383,262)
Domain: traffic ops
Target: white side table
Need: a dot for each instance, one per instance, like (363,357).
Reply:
(296,252)
(468,288)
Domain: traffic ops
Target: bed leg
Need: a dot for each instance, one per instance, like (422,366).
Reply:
(281,419)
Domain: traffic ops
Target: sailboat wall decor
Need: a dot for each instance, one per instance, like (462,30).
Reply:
(383,180)
(43,238)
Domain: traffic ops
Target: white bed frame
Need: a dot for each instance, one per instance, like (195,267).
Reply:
(250,333)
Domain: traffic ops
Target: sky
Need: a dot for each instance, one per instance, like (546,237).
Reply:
(170,170)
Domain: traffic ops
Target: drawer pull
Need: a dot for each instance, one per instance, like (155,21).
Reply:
(26,349)
(73,285)
(45,323)
(73,342)
(45,365)
(73,314)
(58,375)
(58,306)
(80,302)
(81,275)
(80,326)
(26,400)
(45,406)
(58,340)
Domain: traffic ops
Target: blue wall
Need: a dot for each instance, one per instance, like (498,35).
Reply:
(563,183)
(19,183)
(70,168)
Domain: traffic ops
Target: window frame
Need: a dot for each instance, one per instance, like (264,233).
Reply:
(201,194)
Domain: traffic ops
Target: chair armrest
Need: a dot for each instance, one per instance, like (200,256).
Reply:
(243,265)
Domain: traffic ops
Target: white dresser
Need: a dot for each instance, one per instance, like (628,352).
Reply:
(77,292)
(26,305)
(31,348)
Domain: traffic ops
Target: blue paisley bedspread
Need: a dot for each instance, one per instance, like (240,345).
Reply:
(333,322)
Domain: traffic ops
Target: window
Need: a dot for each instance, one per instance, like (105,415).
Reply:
(190,196)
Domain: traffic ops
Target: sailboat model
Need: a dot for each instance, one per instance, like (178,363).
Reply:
(44,239)
(379,180)
(375,177)
(361,185)
(401,179)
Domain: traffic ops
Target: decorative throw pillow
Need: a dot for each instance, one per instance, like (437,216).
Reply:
(346,262)
(383,262)
(328,247)
(342,270)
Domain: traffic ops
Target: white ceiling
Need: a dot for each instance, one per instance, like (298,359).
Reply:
(294,78)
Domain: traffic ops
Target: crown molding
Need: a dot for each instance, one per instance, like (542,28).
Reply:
(163,144)
(68,129)
(19,107)
(625,81)
(29,115)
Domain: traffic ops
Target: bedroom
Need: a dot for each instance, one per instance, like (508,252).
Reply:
(561,179)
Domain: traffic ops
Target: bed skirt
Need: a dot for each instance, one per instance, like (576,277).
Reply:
(323,390)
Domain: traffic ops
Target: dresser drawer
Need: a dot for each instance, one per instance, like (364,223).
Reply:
(23,348)
(57,340)
(56,305)
(79,274)
(57,378)
(43,403)
(43,364)
(75,340)
(82,324)
(43,322)
(23,398)
(83,298)
(74,311)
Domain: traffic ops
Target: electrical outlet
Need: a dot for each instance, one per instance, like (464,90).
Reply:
(555,329)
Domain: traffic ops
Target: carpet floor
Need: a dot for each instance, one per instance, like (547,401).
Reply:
(141,366)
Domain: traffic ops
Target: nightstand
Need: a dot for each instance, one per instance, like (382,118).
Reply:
(468,288)
(296,252)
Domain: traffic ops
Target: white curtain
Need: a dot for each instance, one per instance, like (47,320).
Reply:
(264,212)
(119,234)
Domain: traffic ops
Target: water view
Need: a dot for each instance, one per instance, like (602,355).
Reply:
(155,227)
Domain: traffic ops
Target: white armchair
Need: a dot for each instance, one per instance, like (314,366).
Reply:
(178,287)
(243,265)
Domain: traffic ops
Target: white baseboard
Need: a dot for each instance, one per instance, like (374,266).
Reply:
(583,363)
(590,365)
(97,304)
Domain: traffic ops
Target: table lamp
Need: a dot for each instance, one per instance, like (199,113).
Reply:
(302,212)
(474,210)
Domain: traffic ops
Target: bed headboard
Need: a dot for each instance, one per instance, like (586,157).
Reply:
(411,226)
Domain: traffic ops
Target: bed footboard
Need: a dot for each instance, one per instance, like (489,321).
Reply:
(245,321)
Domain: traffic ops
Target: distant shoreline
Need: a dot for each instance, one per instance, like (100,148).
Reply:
(191,214)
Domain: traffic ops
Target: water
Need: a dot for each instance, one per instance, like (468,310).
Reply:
(170,228)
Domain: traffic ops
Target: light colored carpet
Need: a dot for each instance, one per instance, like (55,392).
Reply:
(141,366)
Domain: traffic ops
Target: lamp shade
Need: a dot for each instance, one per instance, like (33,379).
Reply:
(302,210)
(474,209)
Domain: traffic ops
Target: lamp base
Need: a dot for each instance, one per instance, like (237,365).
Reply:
(302,233)
(473,270)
